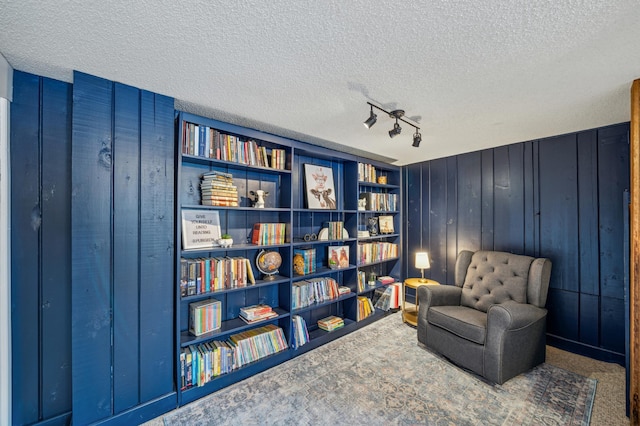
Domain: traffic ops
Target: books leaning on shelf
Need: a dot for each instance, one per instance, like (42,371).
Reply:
(257,343)
(330,323)
(317,290)
(362,281)
(256,313)
(204,141)
(388,297)
(217,189)
(269,233)
(300,332)
(365,308)
(205,316)
(205,275)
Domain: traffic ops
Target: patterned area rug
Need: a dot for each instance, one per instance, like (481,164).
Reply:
(379,375)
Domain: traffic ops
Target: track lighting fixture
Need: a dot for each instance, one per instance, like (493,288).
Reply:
(371,120)
(397,114)
(417,138)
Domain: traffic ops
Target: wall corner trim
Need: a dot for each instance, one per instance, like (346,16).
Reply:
(6,79)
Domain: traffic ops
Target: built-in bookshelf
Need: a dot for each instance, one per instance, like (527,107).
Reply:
(379,221)
(295,249)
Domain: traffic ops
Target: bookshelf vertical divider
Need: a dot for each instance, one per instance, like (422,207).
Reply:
(292,212)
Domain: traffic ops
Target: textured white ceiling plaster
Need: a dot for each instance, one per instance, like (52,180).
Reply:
(472,74)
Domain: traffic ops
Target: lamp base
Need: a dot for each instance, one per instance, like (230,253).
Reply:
(422,280)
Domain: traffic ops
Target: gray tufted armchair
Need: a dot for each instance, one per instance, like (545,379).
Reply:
(492,321)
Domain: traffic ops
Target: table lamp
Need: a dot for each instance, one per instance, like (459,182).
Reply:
(422,263)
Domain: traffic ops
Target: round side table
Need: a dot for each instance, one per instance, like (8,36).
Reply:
(410,312)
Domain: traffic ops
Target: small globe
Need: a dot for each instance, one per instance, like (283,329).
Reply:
(268,262)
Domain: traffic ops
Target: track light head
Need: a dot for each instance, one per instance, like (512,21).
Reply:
(417,138)
(396,130)
(371,120)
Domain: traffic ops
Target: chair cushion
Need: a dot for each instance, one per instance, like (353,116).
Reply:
(494,278)
(468,323)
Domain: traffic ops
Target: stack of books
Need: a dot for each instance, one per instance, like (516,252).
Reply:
(256,313)
(218,190)
(331,323)
(343,290)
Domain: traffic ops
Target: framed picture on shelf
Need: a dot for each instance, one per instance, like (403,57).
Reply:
(338,257)
(200,229)
(385,224)
(320,194)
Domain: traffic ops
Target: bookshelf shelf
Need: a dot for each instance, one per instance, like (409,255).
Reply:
(289,202)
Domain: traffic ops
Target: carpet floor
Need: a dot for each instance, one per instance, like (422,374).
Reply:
(379,375)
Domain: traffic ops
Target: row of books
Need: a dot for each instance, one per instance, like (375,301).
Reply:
(256,313)
(257,343)
(335,230)
(269,233)
(376,251)
(365,308)
(217,189)
(380,201)
(388,297)
(205,316)
(205,275)
(201,363)
(205,141)
(367,173)
(317,290)
(330,323)
(300,334)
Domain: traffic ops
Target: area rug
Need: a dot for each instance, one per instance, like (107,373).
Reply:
(379,375)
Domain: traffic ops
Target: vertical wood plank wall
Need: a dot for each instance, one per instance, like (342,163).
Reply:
(92,244)
(122,249)
(41,249)
(558,197)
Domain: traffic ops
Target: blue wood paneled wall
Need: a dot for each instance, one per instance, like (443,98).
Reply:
(41,249)
(558,197)
(122,250)
(92,252)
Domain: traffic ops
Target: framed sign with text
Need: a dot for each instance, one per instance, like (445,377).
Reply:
(200,229)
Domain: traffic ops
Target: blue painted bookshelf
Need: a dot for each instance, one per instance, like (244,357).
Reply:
(311,189)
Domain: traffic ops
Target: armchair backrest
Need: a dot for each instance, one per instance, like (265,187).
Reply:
(493,277)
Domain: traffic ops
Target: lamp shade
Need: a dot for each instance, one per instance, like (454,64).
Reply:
(422,260)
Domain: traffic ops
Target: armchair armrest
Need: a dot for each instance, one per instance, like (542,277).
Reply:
(515,339)
(434,295)
(439,295)
(513,315)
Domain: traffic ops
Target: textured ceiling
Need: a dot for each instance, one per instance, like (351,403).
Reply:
(471,74)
